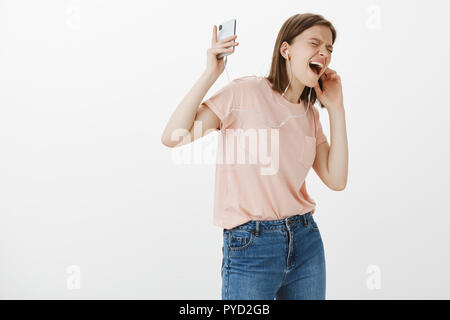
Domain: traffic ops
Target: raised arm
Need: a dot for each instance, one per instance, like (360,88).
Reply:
(180,128)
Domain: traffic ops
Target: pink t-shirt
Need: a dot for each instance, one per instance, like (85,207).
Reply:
(267,146)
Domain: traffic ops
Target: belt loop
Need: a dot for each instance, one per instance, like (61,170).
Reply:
(305,219)
(257,228)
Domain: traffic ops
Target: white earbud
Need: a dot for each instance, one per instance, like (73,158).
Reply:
(287,54)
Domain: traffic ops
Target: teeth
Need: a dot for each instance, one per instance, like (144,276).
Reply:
(317,63)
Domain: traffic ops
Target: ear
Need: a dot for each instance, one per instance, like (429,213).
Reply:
(283,48)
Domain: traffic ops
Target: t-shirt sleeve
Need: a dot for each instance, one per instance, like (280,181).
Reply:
(222,101)
(320,136)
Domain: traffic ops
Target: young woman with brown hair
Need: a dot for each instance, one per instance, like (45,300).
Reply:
(272,247)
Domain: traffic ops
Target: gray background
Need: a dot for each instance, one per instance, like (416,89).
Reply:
(93,206)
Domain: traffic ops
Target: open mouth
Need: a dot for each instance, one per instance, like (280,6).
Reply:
(316,67)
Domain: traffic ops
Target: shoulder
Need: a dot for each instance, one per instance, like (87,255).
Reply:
(250,82)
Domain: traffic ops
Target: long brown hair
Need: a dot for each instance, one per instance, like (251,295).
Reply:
(291,28)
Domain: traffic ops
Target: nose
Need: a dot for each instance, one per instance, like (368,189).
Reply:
(324,54)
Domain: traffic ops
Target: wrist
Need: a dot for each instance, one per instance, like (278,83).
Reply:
(336,109)
(336,114)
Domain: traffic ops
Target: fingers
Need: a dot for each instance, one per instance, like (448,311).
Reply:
(337,77)
(227,39)
(329,72)
(331,76)
(220,50)
(214,35)
(227,44)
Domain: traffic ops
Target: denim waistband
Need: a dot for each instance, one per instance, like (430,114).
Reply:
(261,225)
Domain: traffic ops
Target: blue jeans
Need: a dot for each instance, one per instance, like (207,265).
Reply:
(274,259)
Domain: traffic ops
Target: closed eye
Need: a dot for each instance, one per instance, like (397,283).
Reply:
(316,44)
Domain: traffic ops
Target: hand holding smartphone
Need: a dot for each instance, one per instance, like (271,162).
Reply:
(226,29)
(222,45)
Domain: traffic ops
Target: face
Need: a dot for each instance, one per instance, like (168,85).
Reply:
(310,54)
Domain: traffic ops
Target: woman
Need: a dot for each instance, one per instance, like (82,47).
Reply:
(272,245)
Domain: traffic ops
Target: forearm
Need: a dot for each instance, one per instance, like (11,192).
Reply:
(184,115)
(338,153)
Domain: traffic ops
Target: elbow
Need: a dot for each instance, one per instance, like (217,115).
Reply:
(338,186)
(166,142)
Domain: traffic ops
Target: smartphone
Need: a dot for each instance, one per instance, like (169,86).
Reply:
(225,30)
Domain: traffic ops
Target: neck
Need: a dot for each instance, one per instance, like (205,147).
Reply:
(294,91)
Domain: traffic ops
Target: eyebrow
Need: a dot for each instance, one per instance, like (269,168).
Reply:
(321,41)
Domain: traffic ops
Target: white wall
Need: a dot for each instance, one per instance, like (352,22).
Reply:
(88,193)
